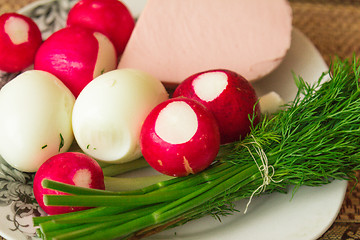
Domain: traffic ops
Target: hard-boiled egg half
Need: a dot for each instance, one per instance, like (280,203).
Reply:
(35,122)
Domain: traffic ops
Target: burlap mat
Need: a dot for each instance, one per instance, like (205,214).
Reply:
(332,25)
(334,28)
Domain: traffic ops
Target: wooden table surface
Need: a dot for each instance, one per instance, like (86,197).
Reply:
(334,28)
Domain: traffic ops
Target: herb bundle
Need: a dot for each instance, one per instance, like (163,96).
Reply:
(313,141)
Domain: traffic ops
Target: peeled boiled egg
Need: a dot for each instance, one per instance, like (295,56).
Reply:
(110,110)
(35,124)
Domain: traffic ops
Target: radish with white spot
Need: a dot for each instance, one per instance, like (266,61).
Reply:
(72,168)
(76,56)
(110,17)
(229,96)
(20,38)
(180,137)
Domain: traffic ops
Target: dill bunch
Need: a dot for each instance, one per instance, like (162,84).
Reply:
(314,140)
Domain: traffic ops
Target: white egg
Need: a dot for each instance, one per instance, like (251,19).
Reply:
(35,122)
(110,110)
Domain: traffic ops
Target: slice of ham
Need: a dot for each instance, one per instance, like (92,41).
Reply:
(174,39)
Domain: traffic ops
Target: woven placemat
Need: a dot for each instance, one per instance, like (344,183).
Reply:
(13,5)
(334,28)
(332,25)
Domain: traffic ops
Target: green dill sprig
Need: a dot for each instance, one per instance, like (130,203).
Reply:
(312,141)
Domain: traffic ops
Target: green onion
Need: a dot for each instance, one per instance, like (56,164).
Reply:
(132,183)
(312,141)
(117,169)
(113,200)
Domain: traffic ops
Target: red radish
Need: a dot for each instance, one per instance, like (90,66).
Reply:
(76,56)
(180,137)
(72,168)
(110,17)
(228,95)
(20,38)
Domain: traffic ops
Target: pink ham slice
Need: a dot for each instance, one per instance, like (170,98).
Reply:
(174,39)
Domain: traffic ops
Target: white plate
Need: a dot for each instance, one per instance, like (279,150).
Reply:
(311,211)
(277,216)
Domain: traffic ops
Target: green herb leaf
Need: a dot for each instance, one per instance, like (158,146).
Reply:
(61,145)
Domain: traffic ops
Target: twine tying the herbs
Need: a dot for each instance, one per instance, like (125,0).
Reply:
(263,168)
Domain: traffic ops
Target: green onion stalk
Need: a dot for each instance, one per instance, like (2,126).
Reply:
(112,173)
(312,141)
